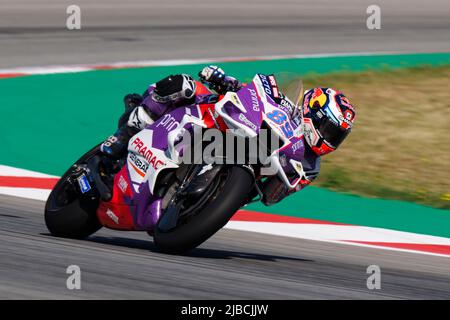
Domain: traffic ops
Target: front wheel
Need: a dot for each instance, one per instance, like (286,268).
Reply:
(230,194)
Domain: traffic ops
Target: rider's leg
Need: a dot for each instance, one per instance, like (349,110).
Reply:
(134,119)
(140,111)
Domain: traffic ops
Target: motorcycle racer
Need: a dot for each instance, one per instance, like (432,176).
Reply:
(326,117)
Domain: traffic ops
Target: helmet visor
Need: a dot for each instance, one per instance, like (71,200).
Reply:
(332,132)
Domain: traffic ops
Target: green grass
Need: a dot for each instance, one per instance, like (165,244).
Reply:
(399,145)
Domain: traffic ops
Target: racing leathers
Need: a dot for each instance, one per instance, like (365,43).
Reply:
(182,90)
(160,98)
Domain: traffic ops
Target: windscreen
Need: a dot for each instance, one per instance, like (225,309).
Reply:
(291,85)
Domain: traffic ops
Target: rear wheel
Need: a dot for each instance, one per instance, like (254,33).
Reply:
(229,194)
(69,214)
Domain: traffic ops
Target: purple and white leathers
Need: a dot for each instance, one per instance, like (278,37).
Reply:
(247,112)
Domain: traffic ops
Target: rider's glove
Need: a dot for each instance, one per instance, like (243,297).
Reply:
(212,74)
(217,80)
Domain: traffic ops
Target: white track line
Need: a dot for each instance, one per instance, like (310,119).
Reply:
(28,193)
(176,62)
(18,172)
(338,232)
(341,234)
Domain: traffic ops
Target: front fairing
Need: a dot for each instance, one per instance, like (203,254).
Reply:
(256,106)
(242,111)
(288,158)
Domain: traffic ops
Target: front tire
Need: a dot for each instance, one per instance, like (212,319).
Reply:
(231,196)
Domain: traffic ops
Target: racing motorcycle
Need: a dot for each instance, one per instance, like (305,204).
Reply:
(180,204)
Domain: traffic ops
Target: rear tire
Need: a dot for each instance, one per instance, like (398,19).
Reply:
(75,218)
(211,218)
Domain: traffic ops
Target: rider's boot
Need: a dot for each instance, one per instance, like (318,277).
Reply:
(273,190)
(134,119)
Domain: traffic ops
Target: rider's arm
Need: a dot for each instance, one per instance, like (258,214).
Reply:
(217,80)
(168,93)
(141,111)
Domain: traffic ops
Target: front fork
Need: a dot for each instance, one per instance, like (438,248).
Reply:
(194,183)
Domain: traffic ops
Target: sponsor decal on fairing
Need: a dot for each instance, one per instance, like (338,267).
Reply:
(113,216)
(123,184)
(147,153)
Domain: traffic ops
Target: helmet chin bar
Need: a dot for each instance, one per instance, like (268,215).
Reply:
(314,139)
(323,149)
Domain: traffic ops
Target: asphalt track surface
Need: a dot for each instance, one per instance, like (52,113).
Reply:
(33,32)
(231,265)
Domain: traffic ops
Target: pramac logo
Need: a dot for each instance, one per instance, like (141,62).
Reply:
(147,153)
